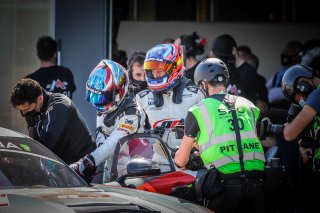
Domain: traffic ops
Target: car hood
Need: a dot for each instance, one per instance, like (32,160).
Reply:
(98,198)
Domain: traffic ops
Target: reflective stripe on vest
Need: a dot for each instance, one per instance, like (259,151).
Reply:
(215,140)
(235,158)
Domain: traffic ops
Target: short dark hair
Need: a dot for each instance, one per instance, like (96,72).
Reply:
(136,57)
(222,46)
(46,48)
(26,90)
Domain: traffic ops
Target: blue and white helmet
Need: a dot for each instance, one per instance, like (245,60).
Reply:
(107,85)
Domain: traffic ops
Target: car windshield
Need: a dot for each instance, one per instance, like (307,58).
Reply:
(24,163)
(140,146)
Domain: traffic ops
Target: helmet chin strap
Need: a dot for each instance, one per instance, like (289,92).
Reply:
(205,88)
(177,93)
(178,90)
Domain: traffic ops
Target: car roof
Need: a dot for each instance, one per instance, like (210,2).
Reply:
(11,133)
(14,141)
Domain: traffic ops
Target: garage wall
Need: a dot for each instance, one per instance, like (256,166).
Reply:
(266,40)
(21,22)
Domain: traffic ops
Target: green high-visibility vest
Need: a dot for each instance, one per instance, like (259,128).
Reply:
(315,132)
(217,138)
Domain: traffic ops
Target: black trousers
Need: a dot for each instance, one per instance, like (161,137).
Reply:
(240,195)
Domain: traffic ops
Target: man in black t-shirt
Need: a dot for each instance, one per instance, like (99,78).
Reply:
(53,78)
(243,77)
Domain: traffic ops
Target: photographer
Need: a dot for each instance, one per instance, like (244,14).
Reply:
(301,86)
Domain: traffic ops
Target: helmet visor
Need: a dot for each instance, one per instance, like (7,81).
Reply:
(158,65)
(99,99)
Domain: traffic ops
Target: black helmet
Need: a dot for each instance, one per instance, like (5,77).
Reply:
(289,83)
(223,45)
(211,69)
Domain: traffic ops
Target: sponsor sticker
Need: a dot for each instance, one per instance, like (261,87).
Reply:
(4,201)
(25,147)
(127,126)
(127,121)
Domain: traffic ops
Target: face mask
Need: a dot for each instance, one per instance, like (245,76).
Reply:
(302,102)
(285,60)
(32,113)
(139,85)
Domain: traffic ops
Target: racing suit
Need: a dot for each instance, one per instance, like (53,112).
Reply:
(113,126)
(170,113)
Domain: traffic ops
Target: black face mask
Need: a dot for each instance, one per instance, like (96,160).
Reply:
(139,85)
(285,60)
(32,113)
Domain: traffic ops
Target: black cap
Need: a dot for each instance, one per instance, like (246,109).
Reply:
(222,45)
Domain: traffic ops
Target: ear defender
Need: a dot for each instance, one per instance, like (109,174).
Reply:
(303,88)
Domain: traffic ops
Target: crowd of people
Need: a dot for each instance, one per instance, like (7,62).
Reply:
(221,100)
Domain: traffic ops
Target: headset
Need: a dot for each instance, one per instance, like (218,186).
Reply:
(303,88)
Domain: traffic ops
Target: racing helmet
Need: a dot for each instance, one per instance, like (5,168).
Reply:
(107,86)
(290,86)
(211,69)
(166,57)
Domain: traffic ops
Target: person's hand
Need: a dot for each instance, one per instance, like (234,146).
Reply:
(85,168)
(306,154)
(195,162)
(196,145)
(101,136)
(31,120)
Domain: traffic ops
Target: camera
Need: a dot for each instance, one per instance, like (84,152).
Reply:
(268,128)
(293,111)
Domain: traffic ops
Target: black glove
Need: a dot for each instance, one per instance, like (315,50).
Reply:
(85,168)
(174,151)
(195,162)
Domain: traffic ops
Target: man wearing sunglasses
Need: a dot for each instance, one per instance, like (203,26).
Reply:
(53,120)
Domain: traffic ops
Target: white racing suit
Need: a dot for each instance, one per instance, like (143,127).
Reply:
(111,127)
(169,114)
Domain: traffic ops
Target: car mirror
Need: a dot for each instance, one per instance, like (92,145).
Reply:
(142,166)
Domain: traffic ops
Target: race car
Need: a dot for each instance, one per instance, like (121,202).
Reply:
(143,161)
(33,179)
